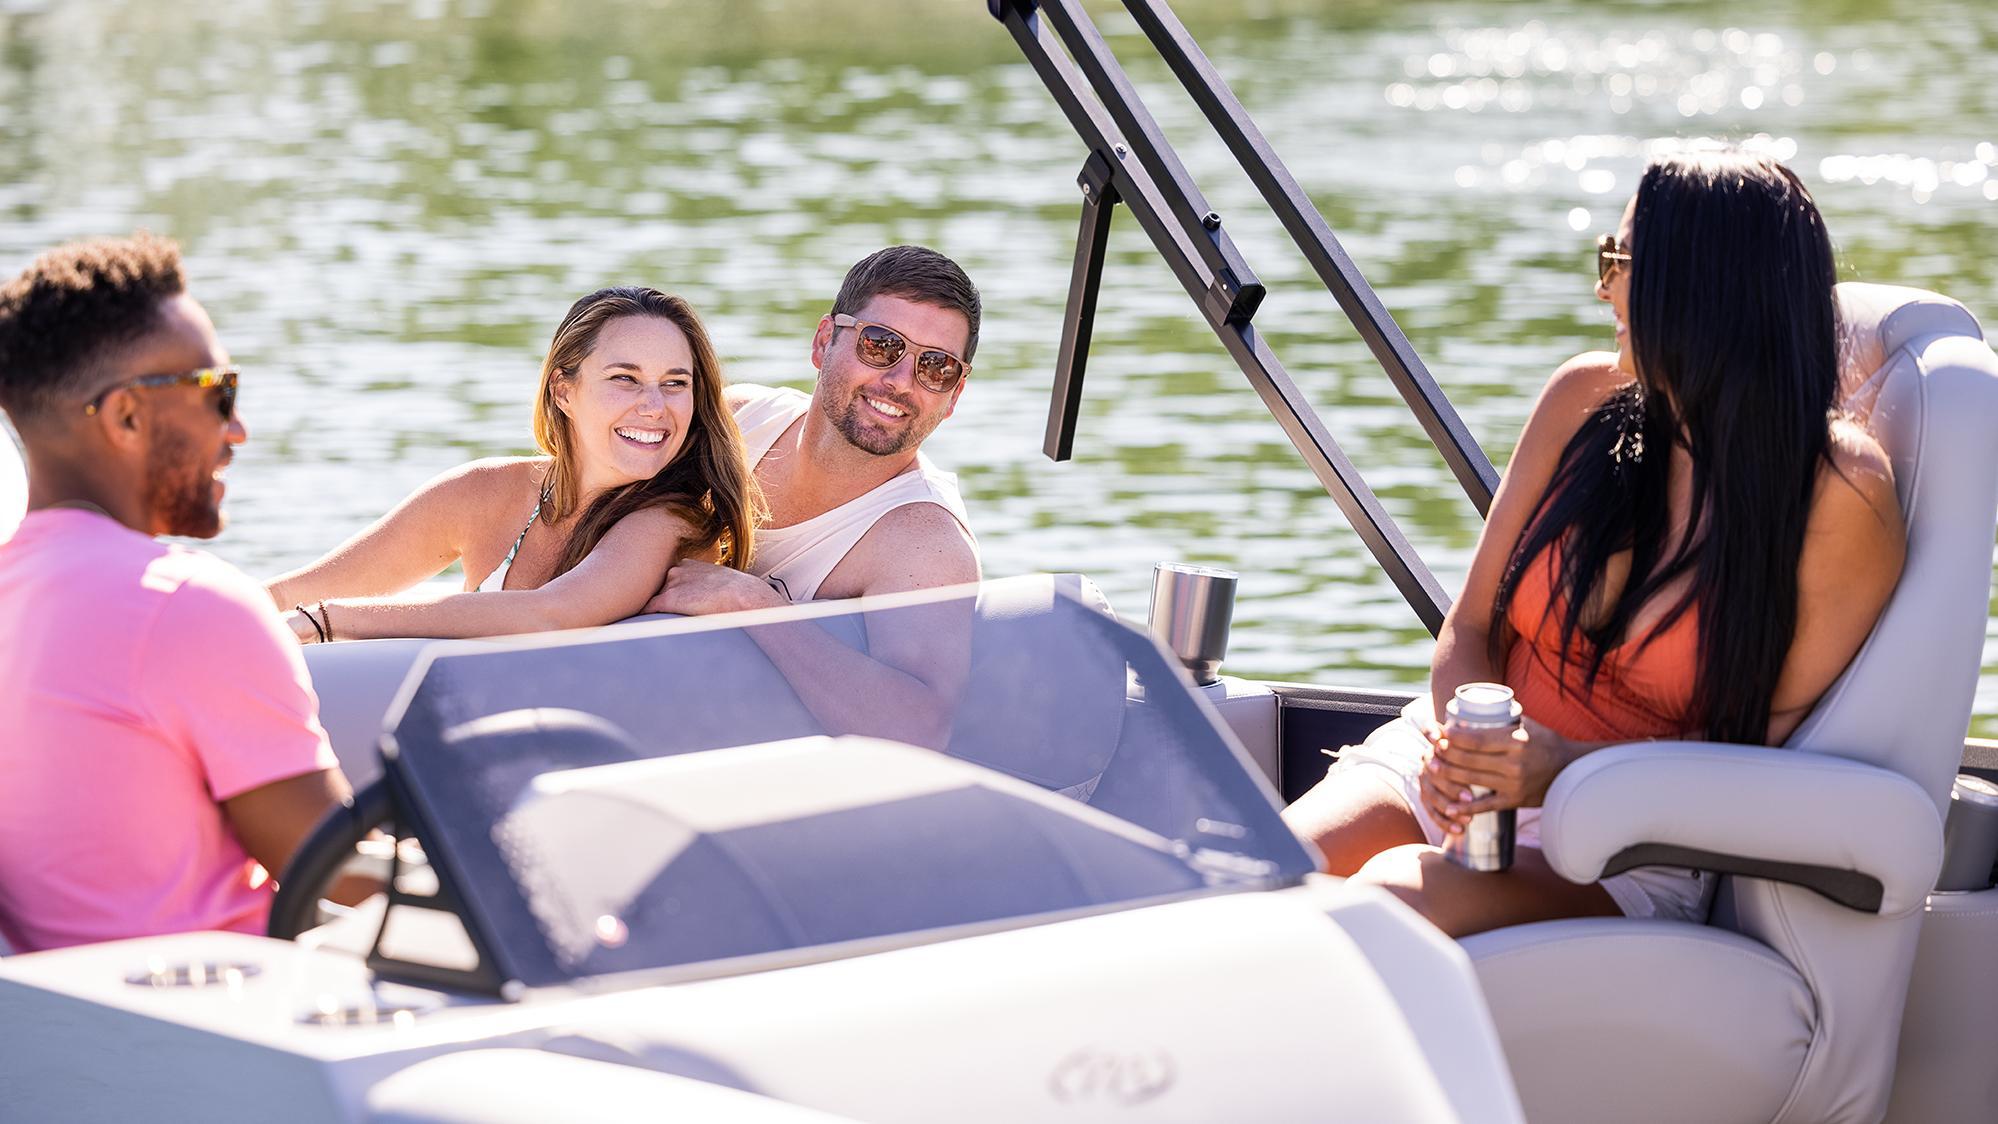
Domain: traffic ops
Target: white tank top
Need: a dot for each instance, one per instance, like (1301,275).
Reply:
(797,559)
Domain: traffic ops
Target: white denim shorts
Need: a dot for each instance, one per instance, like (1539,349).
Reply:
(1395,753)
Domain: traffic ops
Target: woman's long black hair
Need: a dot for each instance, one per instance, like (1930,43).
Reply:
(1734,330)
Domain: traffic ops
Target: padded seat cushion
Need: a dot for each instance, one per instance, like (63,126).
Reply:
(1711,1019)
(356,680)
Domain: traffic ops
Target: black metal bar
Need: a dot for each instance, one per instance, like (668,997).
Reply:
(1154,205)
(1235,291)
(1363,510)
(1099,196)
(1321,247)
(1088,118)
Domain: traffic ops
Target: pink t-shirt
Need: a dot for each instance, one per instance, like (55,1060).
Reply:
(141,684)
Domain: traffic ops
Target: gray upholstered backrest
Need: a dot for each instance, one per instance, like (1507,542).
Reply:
(1927,384)
(1922,377)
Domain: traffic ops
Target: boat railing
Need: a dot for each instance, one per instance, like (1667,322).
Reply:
(1131,162)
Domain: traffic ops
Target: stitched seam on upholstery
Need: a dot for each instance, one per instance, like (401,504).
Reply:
(1921,438)
(1939,301)
(1802,965)
(1730,949)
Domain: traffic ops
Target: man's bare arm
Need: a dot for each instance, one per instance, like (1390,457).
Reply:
(272,820)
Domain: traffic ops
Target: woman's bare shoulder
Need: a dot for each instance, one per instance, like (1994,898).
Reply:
(1572,393)
(491,480)
(1583,382)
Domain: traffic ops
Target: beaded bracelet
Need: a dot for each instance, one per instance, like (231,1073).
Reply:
(325,622)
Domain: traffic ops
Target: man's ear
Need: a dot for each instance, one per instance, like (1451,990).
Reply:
(956,393)
(821,340)
(120,420)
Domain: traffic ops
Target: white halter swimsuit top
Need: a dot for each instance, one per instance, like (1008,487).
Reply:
(497,579)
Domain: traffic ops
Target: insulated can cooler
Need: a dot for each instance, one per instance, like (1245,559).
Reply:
(1486,843)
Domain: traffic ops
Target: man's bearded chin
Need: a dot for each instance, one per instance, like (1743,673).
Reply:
(180,489)
(850,426)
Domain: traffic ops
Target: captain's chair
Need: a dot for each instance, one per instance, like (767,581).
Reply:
(1787,1006)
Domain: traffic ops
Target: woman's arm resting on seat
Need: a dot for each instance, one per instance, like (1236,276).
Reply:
(414,541)
(612,583)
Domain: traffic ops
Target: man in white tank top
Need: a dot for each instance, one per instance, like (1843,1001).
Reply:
(855,507)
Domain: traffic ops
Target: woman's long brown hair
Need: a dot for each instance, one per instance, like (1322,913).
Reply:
(708,483)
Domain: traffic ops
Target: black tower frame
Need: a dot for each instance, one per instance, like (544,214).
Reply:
(1131,162)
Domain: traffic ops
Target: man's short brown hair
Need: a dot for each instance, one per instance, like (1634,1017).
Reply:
(914,273)
(74,309)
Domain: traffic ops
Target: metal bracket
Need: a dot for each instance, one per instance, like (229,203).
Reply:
(1099,195)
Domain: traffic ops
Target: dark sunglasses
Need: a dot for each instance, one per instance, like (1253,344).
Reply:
(878,345)
(1609,255)
(205,377)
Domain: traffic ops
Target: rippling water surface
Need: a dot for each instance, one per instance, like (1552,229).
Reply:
(387,206)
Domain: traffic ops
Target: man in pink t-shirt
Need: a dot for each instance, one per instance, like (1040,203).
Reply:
(158,735)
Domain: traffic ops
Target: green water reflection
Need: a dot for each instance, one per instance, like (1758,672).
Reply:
(387,205)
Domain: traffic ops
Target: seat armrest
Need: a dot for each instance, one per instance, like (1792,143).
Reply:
(1865,837)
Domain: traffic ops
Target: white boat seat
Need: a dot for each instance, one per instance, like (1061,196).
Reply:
(720,697)
(355,681)
(1787,1007)
(1551,980)
(1057,748)
(13,485)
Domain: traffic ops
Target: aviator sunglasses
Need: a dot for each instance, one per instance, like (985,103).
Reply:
(1609,255)
(878,345)
(205,377)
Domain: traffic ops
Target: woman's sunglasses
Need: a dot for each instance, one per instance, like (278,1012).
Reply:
(1609,255)
(205,377)
(878,345)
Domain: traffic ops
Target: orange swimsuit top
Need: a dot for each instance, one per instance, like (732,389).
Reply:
(1643,690)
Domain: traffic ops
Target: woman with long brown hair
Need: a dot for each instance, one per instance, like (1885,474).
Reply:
(643,467)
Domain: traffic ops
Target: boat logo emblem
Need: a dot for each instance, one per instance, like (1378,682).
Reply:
(1092,1074)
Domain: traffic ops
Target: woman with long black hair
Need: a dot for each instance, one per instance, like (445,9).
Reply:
(1691,540)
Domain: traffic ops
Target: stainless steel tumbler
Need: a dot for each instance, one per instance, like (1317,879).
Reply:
(1486,843)
(1970,835)
(1192,607)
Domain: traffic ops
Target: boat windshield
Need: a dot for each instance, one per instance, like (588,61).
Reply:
(687,791)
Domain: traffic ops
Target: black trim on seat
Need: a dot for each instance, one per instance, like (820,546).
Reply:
(1314,722)
(1849,888)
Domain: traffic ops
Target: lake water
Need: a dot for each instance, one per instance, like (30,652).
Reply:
(387,206)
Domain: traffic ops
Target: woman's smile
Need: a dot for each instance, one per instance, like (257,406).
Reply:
(641,436)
